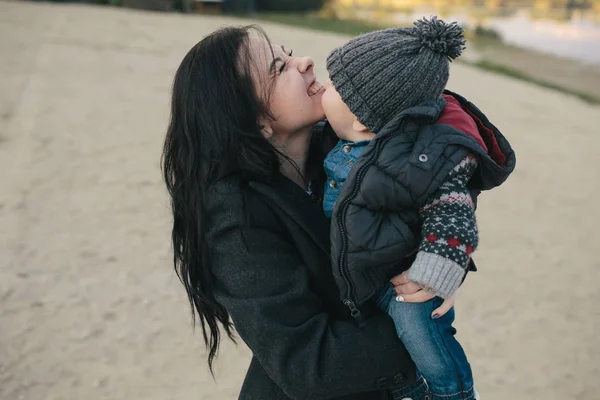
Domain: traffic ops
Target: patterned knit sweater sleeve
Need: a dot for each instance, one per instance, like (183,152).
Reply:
(449,234)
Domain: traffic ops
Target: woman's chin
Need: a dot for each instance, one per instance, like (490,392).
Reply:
(321,115)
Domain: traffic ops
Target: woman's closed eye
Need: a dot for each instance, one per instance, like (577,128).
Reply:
(282,68)
(284,65)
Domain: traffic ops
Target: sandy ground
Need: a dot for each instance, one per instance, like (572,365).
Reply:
(566,73)
(89,306)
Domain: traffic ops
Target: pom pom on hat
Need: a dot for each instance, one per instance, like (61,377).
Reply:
(439,36)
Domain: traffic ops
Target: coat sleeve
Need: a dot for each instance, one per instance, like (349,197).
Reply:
(266,289)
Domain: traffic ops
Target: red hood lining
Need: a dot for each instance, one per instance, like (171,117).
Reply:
(463,119)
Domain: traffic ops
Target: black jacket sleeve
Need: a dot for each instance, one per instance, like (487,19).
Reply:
(262,283)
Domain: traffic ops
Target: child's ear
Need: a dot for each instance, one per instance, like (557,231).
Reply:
(358,127)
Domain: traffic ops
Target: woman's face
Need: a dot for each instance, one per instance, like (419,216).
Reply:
(295,100)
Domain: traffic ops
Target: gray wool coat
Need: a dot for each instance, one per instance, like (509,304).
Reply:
(269,256)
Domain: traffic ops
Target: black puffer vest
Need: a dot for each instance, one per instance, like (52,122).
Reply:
(375,223)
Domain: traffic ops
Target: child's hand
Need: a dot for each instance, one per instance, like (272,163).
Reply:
(410,292)
(405,287)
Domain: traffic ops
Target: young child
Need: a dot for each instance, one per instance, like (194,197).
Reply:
(402,185)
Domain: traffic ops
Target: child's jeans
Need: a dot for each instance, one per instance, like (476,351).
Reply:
(431,343)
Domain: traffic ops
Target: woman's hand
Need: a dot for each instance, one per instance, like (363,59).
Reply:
(410,292)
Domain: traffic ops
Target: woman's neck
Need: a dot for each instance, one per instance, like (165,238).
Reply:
(296,149)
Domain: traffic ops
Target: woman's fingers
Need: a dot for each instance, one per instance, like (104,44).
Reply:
(419,297)
(400,279)
(408,288)
(444,308)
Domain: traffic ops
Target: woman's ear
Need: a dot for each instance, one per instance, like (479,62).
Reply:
(358,127)
(266,129)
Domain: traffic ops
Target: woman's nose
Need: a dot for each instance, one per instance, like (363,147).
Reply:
(305,64)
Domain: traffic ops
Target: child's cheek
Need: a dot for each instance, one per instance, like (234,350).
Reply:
(324,101)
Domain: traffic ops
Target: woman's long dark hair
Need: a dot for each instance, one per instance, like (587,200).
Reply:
(214,132)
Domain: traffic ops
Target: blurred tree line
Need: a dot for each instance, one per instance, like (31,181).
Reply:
(289,5)
(231,6)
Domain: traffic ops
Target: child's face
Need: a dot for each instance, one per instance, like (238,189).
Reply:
(337,112)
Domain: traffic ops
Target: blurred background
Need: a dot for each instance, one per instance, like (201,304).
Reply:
(89,305)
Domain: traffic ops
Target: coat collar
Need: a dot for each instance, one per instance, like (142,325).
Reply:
(299,206)
(428,112)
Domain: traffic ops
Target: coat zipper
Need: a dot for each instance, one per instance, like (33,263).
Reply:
(349,301)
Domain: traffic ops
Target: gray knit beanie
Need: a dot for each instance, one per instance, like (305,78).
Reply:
(380,74)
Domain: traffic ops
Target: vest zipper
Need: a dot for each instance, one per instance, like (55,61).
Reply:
(350,301)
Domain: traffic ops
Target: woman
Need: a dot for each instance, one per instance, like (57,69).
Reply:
(250,239)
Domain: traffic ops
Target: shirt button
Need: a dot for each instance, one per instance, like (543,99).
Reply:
(347,149)
(332,184)
(423,158)
(381,383)
(398,378)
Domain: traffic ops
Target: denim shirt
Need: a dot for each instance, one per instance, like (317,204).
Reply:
(338,164)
